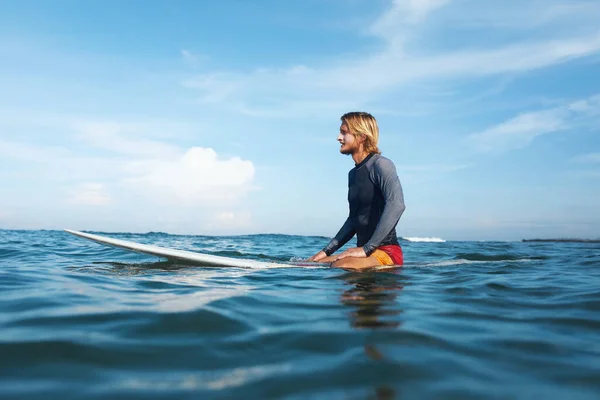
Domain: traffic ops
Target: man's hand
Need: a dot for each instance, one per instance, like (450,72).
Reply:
(317,257)
(353,252)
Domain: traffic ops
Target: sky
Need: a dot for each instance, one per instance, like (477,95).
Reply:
(221,118)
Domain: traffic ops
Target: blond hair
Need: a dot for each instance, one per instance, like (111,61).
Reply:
(363,124)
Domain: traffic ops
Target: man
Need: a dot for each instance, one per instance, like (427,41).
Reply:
(375,198)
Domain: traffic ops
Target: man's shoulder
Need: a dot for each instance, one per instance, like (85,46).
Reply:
(383,164)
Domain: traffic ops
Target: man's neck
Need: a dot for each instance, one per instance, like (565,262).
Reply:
(359,156)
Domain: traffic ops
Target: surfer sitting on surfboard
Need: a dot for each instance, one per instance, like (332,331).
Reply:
(375,197)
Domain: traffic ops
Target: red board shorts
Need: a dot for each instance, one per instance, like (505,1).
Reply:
(389,255)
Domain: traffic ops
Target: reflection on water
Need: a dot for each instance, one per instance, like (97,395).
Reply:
(372,299)
(163,286)
(129,268)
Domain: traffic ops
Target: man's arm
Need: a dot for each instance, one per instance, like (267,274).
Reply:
(386,177)
(343,236)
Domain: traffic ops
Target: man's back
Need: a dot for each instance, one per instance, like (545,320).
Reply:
(371,185)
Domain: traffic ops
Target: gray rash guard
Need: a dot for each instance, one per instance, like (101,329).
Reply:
(376,204)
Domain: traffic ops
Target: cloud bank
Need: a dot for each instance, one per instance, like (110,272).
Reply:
(122,166)
(521,130)
(408,55)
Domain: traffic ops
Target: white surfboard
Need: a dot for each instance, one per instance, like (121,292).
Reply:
(188,256)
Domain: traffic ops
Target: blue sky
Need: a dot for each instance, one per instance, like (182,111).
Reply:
(221,117)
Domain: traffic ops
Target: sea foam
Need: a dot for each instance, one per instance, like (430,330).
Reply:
(425,239)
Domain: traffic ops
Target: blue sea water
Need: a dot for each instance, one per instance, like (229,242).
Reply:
(461,320)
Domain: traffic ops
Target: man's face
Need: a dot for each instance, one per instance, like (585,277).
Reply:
(348,141)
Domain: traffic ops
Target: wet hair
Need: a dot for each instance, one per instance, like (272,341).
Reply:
(363,124)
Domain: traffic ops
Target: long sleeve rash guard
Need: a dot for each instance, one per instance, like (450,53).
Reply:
(376,204)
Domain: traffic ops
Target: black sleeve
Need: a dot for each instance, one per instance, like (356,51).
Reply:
(342,237)
(389,184)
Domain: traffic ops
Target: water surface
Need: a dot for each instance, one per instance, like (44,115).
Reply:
(494,320)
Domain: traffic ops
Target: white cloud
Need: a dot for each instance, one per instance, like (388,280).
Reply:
(519,131)
(361,79)
(215,86)
(226,221)
(418,9)
(187,55)
(590,158)
(11,149)
(121,138)
(402,15)
(193,59)
(198,175)
(91,194)
(226,216)
(135,171)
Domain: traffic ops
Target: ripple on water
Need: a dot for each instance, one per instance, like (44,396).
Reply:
(460,320)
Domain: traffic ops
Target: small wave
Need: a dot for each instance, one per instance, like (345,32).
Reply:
(497,257)
(10,252)
(447,263)
(464,261)
(425,239)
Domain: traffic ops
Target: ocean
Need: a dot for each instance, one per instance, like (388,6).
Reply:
(461,320)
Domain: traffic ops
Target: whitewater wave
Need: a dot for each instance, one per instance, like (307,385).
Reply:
(424,239)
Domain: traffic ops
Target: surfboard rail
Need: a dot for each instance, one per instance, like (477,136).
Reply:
(185,255)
